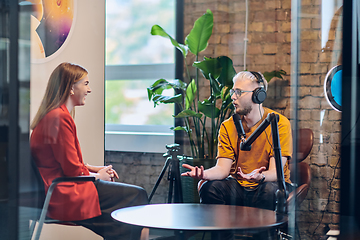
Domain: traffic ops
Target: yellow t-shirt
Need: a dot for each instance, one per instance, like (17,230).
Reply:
(261,149)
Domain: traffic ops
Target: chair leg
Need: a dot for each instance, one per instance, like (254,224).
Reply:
(44,210)
(203,236)
(297,230)
(32,227)
(283,236)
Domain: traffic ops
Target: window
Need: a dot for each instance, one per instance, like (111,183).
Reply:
(134,60)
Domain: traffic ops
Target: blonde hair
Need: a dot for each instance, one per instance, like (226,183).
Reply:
(248,75)
(58,88)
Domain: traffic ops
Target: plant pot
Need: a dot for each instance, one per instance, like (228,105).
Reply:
(189,185)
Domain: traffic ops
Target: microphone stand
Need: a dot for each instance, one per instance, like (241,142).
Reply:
(281,194)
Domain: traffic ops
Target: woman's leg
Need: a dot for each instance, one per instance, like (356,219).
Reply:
(113,196)
(144,234)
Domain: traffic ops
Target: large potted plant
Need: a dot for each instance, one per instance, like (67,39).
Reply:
(202,117)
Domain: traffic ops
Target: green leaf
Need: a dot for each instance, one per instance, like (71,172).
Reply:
(158,87)
(227,71)
(188,113)
(209,65)
(227,101)
(198,38)
(157,30)
(216,90)
(167,99)
(225,93)
(180,128)
(208,109)
(178,84)
(190,94)
(270,75)
(221,69)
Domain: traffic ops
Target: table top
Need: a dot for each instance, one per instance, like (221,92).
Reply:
(199,217)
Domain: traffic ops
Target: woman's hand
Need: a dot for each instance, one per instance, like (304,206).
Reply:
(107,174)
(113,174)
(94,169)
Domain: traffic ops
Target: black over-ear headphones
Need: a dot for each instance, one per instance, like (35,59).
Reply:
(259,94)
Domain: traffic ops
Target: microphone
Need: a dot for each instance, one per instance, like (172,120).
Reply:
(239,127)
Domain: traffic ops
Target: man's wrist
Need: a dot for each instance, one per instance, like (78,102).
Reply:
(262,178)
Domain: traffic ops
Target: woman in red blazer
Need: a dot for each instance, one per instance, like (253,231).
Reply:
(56,151)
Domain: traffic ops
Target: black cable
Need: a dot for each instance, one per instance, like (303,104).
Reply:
(265,131)
(328,200)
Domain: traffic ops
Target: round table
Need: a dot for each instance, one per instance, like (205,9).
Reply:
(199,217)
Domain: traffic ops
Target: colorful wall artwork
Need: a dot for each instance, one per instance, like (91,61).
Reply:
(51,24)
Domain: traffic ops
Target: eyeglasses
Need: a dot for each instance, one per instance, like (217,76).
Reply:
(238,92)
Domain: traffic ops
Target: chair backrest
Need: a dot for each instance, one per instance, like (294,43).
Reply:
(305,143)
(39,188)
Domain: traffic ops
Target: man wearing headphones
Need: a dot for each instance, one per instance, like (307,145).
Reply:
(246,178)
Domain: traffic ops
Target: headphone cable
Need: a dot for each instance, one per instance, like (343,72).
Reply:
(267,138)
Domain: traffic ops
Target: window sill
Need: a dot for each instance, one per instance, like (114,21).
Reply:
(149,142)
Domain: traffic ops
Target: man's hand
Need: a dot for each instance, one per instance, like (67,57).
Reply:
(195,172)
(254,176)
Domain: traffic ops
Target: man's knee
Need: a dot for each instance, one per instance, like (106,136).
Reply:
(266,197)
(211,186)
(270,187)
(215,191)
(208,192)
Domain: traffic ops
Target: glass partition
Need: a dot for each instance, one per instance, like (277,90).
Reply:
(318,65)
(14,118)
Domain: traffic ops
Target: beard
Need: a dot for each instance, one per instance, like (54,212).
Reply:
(245,111)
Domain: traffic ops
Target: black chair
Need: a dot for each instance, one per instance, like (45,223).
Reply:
(45,200)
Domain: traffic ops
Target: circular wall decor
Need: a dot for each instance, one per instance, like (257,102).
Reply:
(52,21)
(333,86)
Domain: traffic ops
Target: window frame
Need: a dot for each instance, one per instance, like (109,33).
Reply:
(143,138)
(121,137)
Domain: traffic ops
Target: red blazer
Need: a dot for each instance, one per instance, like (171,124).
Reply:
(56,150)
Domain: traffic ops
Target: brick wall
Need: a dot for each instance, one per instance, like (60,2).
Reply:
(141,169)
